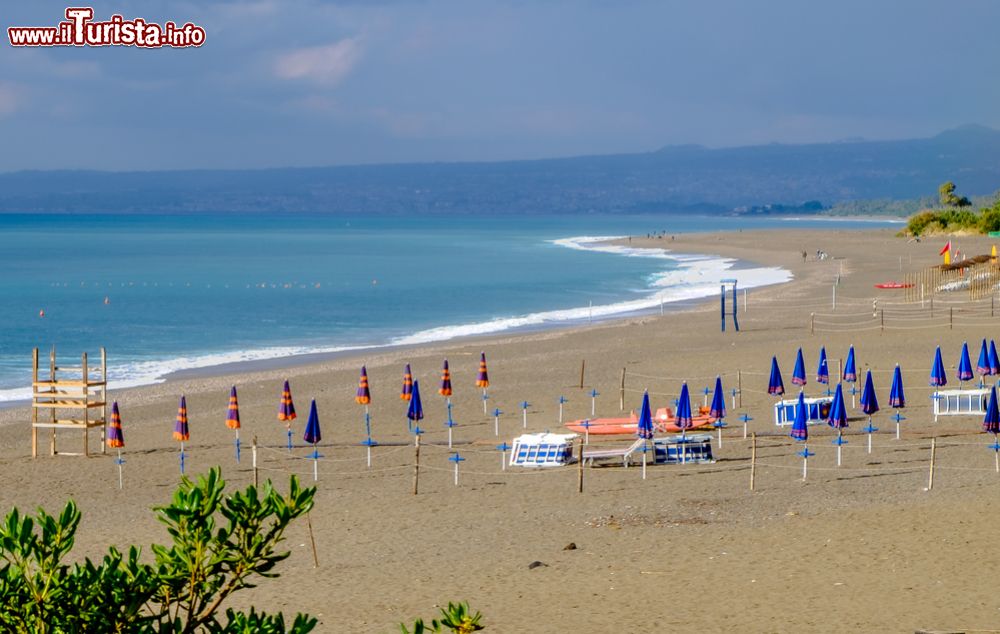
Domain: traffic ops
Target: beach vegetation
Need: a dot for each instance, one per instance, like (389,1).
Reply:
(220,544)
(457,617)
(955,215)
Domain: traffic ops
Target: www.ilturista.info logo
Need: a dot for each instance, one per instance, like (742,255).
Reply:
(79,29)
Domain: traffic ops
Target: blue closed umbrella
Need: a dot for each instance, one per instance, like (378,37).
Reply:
(983,364)
(994,359)
(718,408)
(850,368)
(838,419)
(799,373)
(964,372)
(415,412)
(823,371)
(896,397)
(991,425)
(683,419)
(312,436)
(938,377)
(800,428)
(775,386)
(645,428)
(869,405)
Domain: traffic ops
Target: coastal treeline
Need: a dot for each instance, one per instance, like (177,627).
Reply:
(955,213)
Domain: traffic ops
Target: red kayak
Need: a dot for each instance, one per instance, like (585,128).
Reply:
(663,422)
(893,285)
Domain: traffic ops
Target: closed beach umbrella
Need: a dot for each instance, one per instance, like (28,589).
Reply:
(483,378)
(896,397)
(994,359)
(964,372)
(312,436)
(800,432)
(233,413)
(869,405)
(415,412)
(850,368)
(364,394)
(991,424)
(718,408)
(445,389)
(286,411)
(869,400)
(938,377)
(983,364)
(775,386)
(116,439)
(799,373)
(645,427)
(683,419)
(181,431)
(407,391)
(823,371)
(800,428)
(233,419)
(838,419)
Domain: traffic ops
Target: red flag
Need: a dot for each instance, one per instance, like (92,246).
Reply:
(946,248)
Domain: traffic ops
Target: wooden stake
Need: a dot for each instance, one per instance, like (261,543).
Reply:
(253,452)
(951,317)
(34,410)
(739,386)
(812,323)
(583,368)
(416,464)
(883,319)
(753,461)
(579,462)
(930,474)
(621,406)
(312,540)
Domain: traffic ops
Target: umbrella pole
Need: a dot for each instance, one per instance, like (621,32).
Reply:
(644,462)
(485,396)
(449,437)
(503,460)
(805,461)
(289,439)
(315,463)
(720,437)
(996,453)
(182,457)
(369,455)
(456,473)
(237,444)
(840,444)
(120,484)
(869,435)
(897,424)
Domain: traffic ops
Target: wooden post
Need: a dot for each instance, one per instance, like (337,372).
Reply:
(951,317)
(622,396)
(52,410)
(312,540)
(992,300)
(579,462)
(104,399)
(86,402)
(739,386)
(753,461)
(253,451)
(930,474)
(812,323)
(34,410)
(416,464)
(583,368)
(883,319)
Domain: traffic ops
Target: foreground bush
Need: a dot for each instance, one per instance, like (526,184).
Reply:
(220,545)
(456,617)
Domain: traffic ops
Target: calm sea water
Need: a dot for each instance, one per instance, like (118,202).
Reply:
(170,293)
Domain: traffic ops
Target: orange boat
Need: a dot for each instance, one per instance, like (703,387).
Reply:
(663,422)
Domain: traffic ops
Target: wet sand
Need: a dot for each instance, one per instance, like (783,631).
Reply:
(863,547)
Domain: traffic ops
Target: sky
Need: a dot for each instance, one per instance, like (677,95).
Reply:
(285,83)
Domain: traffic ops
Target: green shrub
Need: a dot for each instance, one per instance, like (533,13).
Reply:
(220,545)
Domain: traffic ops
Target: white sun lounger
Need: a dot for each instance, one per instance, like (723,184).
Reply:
(624,453)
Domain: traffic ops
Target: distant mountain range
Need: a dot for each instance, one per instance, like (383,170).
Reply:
(752,179)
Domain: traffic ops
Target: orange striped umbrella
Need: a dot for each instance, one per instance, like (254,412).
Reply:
(445,389)
(364,395)
(407,384)
(233,419)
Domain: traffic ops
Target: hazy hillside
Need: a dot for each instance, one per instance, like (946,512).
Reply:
(679,178)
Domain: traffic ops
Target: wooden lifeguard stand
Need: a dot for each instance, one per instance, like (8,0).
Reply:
(75,397)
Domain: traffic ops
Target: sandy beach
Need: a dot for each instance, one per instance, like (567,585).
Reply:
(862,547)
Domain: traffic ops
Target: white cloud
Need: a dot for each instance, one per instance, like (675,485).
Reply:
(327,64)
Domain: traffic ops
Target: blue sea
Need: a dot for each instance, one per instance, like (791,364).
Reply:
(164,294)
